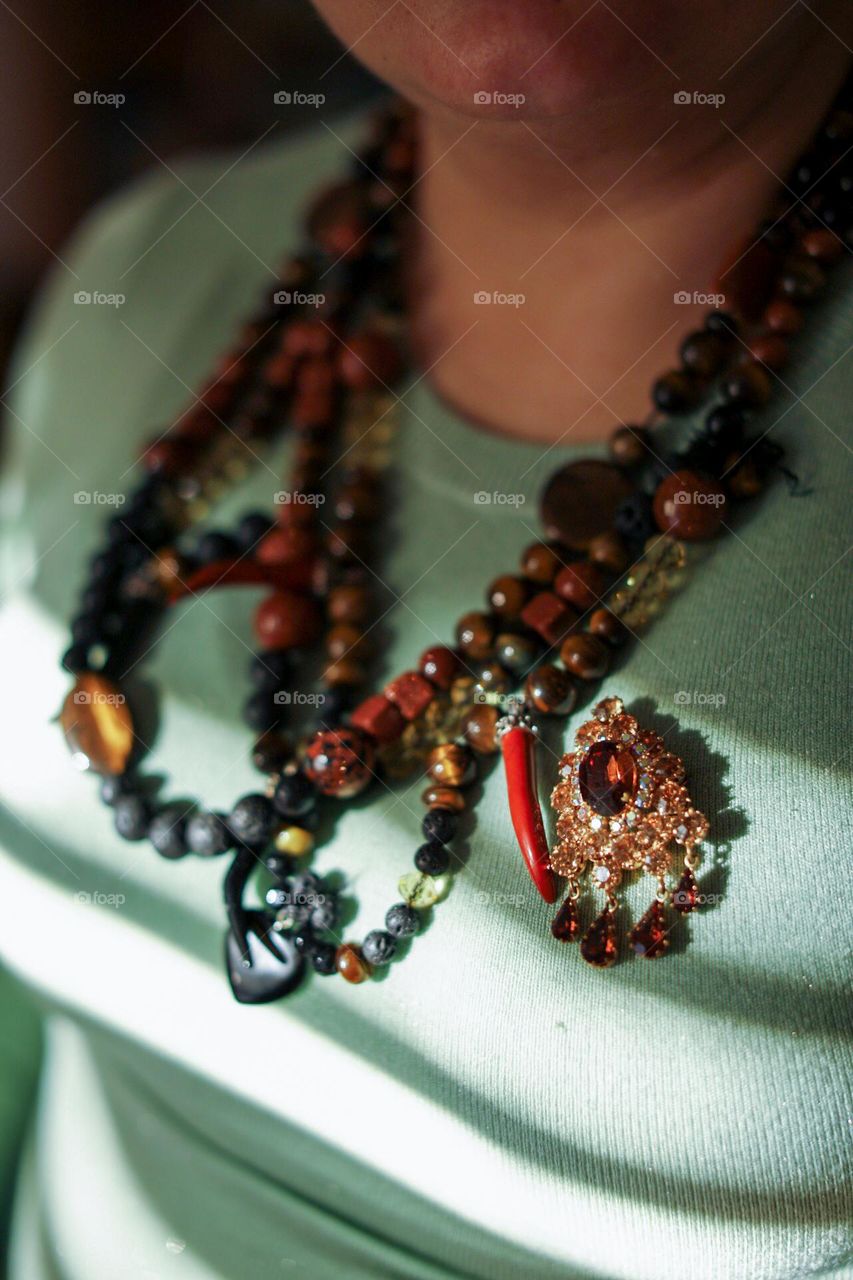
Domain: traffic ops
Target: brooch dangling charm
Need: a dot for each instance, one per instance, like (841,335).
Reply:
(621,806)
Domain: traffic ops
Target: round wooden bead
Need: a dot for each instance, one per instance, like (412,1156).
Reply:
(348,604)
(581,584)
(585,656)
(287,620)
(550,690)
(507,596)
(629,446)
(689,506)
(444,798)
(604,625)
(781,316)
(609,551)
(475,635)
(440,665)
(480,727)
(540,562)
(351,964)
(451,764)
(339,762)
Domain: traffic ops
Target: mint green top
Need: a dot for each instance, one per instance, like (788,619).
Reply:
(493,1107)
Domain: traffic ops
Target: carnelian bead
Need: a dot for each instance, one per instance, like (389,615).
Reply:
(585,656)
(581,584)
(540,563)
(689,506)
(507,596)
(287,620)
(411,693)
(440,665)
(550,690)
(351,964)
(475,635)
(548,617)
(379,717)
(339,761)
(369,360)
(451,764)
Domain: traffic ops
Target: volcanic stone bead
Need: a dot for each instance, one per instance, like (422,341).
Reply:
(721,322)
(114,786)
(580,584)
(324,915)
(294,796)
(75,659)
(131,816)
(540,562)
(507,596)
(475,635)
(167,831)
(516,653)
(86,628)
(251,820)
(629,446)
(323,958)
(439,825)
(585,656)
(401,920)
(207,835)
(271,752)
(444,798)
(634,520)
(215,545)
(378,947)
(550,690)
(432,858)
(606,626)
(689,506)
(261,711)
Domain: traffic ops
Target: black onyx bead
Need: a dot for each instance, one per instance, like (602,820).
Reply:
(721,322)
(167,831)
(214,545)
(378,947)
(261,711)
(432,859)
(75,659)
(271,669)
(439,825)
(323,957)
(294,796)
(634,519)
(252,528)
(207,835)
(277,865)
(251,819)
(725,425)
(402,920)
(132,816)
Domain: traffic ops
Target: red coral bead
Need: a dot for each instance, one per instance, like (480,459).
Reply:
(689,506)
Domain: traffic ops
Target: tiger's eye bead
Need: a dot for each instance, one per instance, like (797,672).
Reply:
(343,672)
(345,641)
(585,656)
(480,727)
(802,280)
(674,392)
(781,316)
(550,690)
(475,635)
(492,678)
(822,245)
(689,506)
(440,665)
(339,762)
(351,964)
(609,552)
(348,604)
(703,353)
(581,584)
(507,596)
(287,620)
(604,625)
(629,446)
(293,842)
(770,349)
(540,563)
(444,798)
(750,385)
(514,652)
(451,764)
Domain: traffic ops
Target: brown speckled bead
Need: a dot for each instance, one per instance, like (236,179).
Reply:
(550,690)
(479,729)
(750,385)
(585,656)
(606,626)
(548,616)
(475,635)
(379,717)
(540,563)
(629,446)
(351,964)
(689,506)
(770,349)
(781,316)
(339,762)
(580,584)
(440,665)
(609,551)
(411,693)
(450,764)
(444,798)
(348,604)
(287,620)
(507,596)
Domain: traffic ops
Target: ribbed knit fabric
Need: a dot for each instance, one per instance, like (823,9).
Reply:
(493,1107)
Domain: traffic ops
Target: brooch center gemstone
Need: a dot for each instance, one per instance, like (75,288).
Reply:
(608,778)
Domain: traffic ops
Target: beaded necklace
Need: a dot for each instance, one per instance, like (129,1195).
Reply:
(323,359)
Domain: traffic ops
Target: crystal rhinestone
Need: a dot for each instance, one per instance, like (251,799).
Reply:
(599,943)
(602,875)
(564,926)
(681,833)
(608,778)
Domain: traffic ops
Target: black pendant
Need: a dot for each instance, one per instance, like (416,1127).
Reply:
(263,964)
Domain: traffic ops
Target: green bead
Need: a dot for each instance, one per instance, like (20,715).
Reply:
(422,891)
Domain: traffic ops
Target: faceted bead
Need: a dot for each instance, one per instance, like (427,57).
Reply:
(650,936)
(97,724)
(565,924)
(339,762)
(420,890)
(685,893)
(690,506)
(608,778)
(351,964)
(598,946)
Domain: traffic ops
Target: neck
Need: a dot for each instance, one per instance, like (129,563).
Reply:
(592,226)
